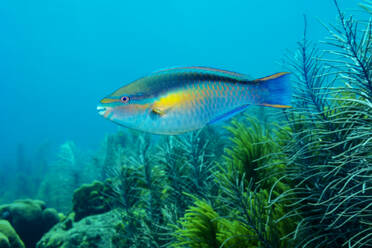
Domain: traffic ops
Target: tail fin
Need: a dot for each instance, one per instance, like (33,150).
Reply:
(279,90)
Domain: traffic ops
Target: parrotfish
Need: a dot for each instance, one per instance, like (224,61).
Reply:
(178,100)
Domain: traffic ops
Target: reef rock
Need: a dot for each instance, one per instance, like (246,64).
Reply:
(91,199)
(30,219)
(4,242)
(97,231)
(8,236)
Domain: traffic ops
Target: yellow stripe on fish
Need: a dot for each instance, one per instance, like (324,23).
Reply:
(169,101)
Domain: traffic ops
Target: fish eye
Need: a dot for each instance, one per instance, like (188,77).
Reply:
(124,99)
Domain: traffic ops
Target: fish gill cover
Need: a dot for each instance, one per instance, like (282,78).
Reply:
(298,177)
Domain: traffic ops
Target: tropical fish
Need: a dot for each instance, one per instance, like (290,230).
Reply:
(183,99)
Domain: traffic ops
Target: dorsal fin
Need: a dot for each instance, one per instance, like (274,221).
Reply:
(207,71)
(274,76)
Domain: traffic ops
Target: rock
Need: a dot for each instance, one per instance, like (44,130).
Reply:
(11,237)
(97,231)
(4,242)
(50,217)
(30,219)
(91,199)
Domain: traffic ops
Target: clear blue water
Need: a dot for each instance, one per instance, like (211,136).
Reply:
(58,58)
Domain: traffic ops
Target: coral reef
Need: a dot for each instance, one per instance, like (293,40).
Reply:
(101,230)
(30,219)
(91,199)
(4,242)
(8,236)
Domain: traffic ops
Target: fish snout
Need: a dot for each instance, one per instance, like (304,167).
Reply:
(101,110)
(106,112)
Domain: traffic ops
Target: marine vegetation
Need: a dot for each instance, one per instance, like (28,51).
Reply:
(152,184)
(239,216)
(64,175)
(329,143)
(292,177)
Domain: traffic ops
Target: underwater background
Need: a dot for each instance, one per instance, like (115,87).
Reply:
(60,58)
(300,177)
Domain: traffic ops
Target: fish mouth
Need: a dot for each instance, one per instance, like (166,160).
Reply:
(106,112)
(101,110)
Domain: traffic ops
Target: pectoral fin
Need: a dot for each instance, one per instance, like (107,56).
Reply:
(158,111)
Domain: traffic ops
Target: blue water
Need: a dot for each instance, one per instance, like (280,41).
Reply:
(58,58)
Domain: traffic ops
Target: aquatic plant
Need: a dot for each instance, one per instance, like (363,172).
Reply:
(203,149)
(6,181)
(329,149)
(246,183)
(239,215)
(250,150)
(367,6)
(138,185)
(105,159)
(252,222)
(125,181)
(172,159)
(198,152)
(203,226)
(151,181)
(63,176)
(24,178)
(199,227)
(186,160)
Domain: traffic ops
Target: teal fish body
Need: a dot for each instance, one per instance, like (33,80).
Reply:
(183,99)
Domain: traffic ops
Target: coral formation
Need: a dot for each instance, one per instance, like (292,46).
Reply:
(4,242)
(8,236)
(99,230)
(91,199)
(30,219)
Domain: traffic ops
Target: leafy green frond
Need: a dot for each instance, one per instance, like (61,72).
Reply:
(199,227)
(251,149)
(247,180)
